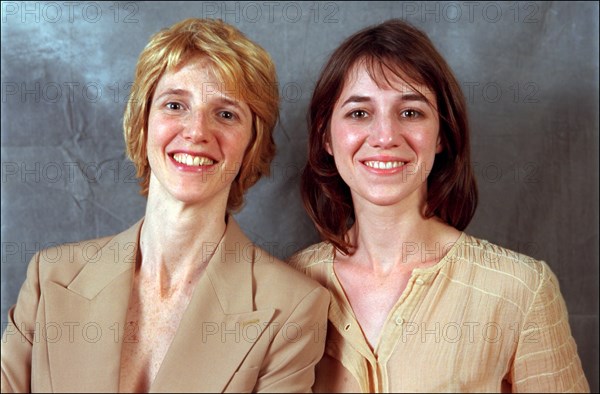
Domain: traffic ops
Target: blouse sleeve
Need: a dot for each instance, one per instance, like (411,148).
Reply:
(546,359)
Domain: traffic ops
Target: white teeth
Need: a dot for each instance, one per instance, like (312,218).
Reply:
(384,165)
(190,160)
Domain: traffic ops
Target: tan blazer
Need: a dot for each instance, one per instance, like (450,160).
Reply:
(253,323)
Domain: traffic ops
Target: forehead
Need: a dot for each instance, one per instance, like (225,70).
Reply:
(192,68)
(378,75)
(199,74)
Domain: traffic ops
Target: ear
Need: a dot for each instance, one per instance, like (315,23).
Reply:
(325,138)
(328,148)
(438,146)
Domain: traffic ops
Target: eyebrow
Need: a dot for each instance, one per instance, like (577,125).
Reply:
(183,92)
(403,97)
(229,101)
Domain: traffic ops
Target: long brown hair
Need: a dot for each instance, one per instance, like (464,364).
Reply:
(398,47)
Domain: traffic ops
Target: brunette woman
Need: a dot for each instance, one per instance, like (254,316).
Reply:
(417,303)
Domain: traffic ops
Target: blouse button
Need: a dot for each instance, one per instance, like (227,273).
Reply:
(419,281)
(399,320)
(347,327)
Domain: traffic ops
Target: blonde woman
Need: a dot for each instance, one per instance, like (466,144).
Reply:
(182,301)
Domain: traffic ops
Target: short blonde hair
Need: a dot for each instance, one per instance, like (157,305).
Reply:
(241,64)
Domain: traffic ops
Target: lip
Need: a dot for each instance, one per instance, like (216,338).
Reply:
(384,171)
(184,167)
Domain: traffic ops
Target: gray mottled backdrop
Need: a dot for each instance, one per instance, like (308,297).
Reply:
(529,71)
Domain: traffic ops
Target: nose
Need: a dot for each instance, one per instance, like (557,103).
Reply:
(198,129)
(384,134)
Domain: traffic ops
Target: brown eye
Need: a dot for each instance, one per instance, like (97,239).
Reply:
(358,114)
(227,115)
(410,113)
(174,106)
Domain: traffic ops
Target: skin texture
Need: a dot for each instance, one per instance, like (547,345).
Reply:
(375,123)
(186,207)
(189,115)
(384,123)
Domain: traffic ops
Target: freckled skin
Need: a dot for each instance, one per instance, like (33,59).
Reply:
(379,122)
(153,317)
(373,295)
(185,209)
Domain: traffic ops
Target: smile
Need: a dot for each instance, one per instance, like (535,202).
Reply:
(193,161)
(384,165)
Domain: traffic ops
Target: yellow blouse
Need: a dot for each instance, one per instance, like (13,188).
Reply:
(483,319)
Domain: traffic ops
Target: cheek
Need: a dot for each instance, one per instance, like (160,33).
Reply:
(344,140)
(161,131)
(426,139)
(235,144)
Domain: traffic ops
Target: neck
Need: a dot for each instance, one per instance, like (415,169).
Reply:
(177,239)
(398,237)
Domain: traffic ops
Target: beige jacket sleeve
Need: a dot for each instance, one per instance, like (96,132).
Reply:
(297,347)
(267,323)
(19,334)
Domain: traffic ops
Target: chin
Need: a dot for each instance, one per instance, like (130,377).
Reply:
(384,201)
(188,200)
(389,195)
(385,196)
(198,195)
(186,195)
(381,199)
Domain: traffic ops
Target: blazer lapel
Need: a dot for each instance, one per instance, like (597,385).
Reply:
(85,320)
(220,325)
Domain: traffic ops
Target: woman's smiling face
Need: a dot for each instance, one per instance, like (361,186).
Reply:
(384,136)
(198,132)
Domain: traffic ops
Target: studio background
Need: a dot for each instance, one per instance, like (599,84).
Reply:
(529,71)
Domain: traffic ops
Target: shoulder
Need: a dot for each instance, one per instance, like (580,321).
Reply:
(311,256)
(73,252)
(61,263)
(499,269)
(314,261)
(282,278)
(492,256)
